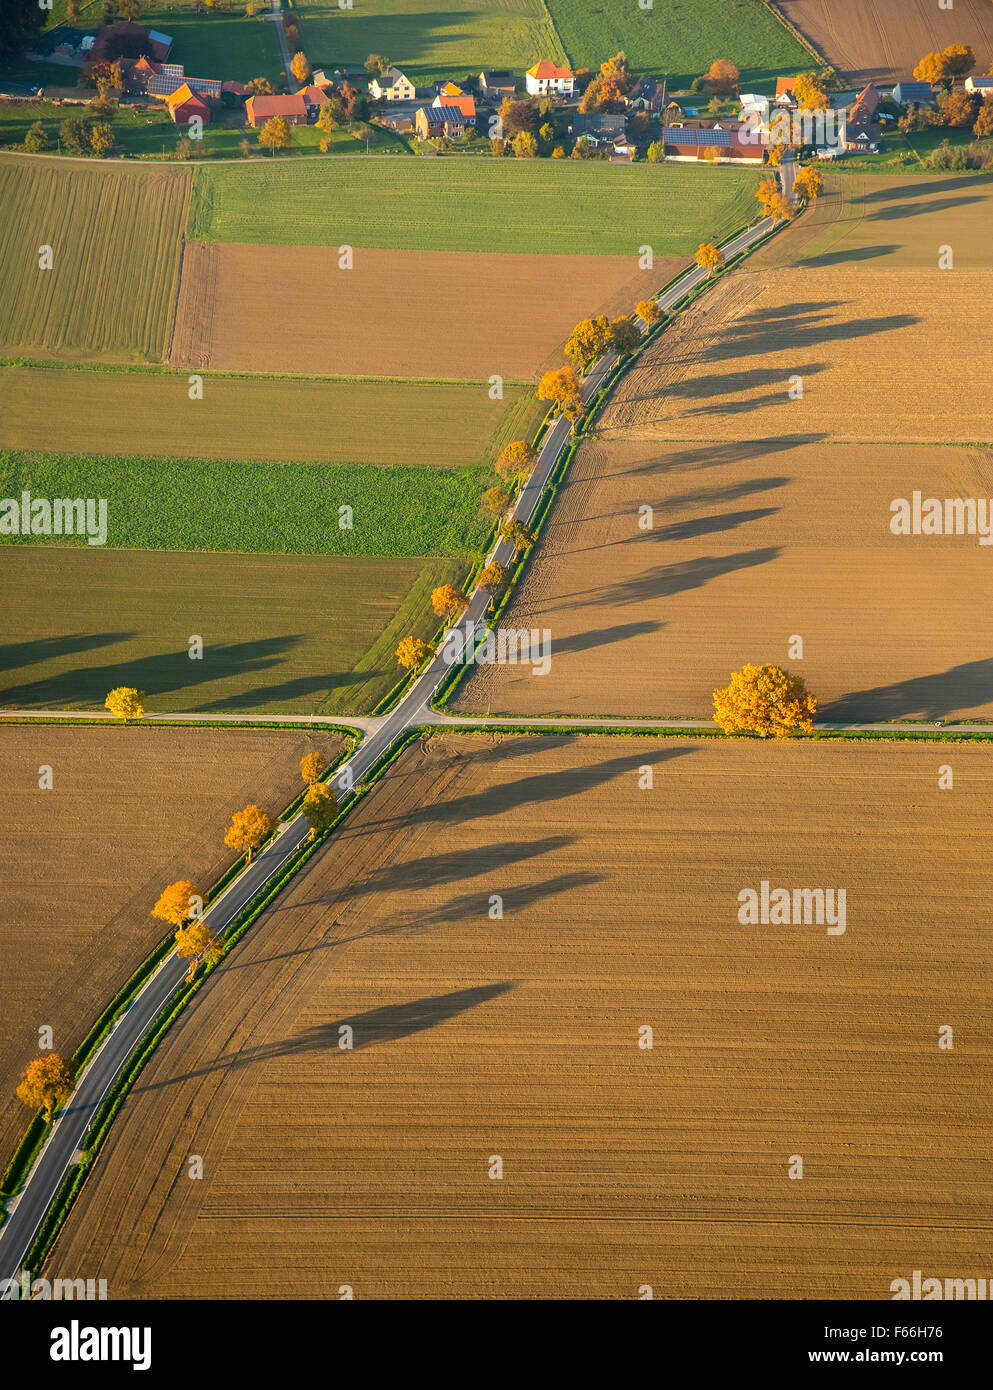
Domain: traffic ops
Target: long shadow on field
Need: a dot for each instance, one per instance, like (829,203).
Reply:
(300,688)
(14,655)
(700,456)
(906,189)
(604,636)
(158,674)
(728,383)
(889,213)
(664,581)
(389,1023)
(756,339)
(967,688)
(731,492)
(858,253)
(469,907)
(679,531)
(539,790)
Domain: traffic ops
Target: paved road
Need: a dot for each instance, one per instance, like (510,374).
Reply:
(18,1232)
(277,19)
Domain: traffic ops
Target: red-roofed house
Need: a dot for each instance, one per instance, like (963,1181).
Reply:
(184,104)
(546,79)
(464,103)
(784,91)
(292,109)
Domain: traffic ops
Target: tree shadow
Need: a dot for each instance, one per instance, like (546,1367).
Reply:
(664,581)
(967,687)
(731,492)
(699,457)
(14,655)
(387,1024)
(604,636)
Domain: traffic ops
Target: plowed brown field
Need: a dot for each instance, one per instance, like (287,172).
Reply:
(883,40)
(426,314)
(130,810)
(622,1166)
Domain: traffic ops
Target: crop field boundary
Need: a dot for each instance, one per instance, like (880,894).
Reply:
(800,37)
(229,374)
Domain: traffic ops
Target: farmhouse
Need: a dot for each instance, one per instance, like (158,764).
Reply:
(981,86)
(392,85)
(169,77)
(545,79)
(598,128)
(463,102)
(702,143)
(647,94)
(184,105)
(784,91)
(314,97)
(432,121)
(293,109)
(913,94)
(495,85)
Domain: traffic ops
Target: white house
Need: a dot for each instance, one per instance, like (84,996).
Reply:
(982,86)
(392,86)
(546,80)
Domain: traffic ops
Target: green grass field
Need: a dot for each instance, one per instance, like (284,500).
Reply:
(214,504)
(270,419)
(114,236)
(429,39)
(679,38)
(566,207)
(282,634)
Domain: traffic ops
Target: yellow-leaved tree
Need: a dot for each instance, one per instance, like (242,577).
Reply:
(178,903)
(412,653)
(710,257)
(196,943)
(447,601)
(648,311)
(47,1082)
(320,806)
(248,829)
(311,767)
(809,183)
(126,702)
(562,387)
(764,700)
(516,461)
(494,578)
(588,341)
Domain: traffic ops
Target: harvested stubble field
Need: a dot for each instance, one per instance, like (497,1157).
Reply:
(472,1037)
(518,206)
(404,313)
(114,235)
(752,544)
(893,354)
(883,40)
(282,634)
(263,418)
(129,811)
(877,223)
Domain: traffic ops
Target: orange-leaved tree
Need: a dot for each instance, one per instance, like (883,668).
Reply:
(764,700)
(299,67)
(126,702)
(562,387)
(809,183)
(178,903)
(933,67)
(447,601)
(589,340)
(648,311)
(412,653)
(494,578)
(47,1082)
(516,461)
(319,807)
(722,76)
(248,830)
(496,500)
(710,257)
(195,943)
(311,767)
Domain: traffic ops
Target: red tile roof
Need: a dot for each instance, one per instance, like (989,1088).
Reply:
(546,70)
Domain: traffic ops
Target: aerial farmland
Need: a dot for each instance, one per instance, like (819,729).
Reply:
(496,709)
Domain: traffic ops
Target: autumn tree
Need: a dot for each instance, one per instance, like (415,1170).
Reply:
(648,311)
(375,65)
(196,943)
(261,87)
(519,536)
(766,191)
(710,257)
(300,68)
(562,388)
(722,76)
(48,1081)
(248,830)
(311,767)
(102,139)
(959,108)
(126,702)
(624,336)
(74,135)
(764,700)
(448,602)
(319,808)
(656,152)
(493,579)
(587,342)
(808,183)
(959,59)
(984,121)
(275,134)
(516,461)
(810,91)
(517,117)
(36,138)
(933,68)
(330,116)
(780,208)
(412,653)
(525,145)
(178,903)
(496,500)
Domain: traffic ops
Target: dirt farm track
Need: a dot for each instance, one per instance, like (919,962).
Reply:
(883,40)
(476,1037)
